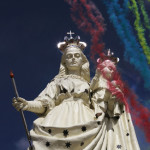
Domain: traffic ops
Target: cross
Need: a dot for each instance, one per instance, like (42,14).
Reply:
(70,33)
(108,52)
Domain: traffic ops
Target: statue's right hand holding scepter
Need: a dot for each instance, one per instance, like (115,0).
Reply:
(20,103)
(33,106)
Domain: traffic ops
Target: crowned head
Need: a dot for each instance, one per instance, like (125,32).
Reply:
(107,65)
(71,42)
(73,58)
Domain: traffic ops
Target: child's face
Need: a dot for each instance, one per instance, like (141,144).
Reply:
(108,69)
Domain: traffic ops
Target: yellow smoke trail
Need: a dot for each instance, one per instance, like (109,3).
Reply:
(139,29)
(144,13)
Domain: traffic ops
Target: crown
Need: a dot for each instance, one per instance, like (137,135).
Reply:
(108,56)
(71,42)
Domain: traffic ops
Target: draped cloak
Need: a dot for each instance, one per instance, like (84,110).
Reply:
(69,122)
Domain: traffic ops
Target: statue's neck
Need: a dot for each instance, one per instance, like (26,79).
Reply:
(74,72)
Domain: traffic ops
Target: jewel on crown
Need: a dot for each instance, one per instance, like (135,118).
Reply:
(71,42)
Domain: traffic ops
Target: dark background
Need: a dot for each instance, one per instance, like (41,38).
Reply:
(29,33)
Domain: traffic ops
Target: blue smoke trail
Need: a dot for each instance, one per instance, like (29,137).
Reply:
(135,57)
(126,27)
(133,52)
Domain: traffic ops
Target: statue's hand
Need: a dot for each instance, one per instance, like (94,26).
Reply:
(118,95)
(20,103)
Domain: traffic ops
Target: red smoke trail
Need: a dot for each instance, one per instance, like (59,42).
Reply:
(118,88)
(89,19)
(108,69)
(140,114)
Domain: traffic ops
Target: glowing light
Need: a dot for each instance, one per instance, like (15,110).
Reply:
(84,44)
(59,44)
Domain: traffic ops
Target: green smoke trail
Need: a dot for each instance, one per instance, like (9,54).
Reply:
(140,30)
(145,15)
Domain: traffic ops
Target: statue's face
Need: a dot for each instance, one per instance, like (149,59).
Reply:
(108,72)
(73,58)
(108,69)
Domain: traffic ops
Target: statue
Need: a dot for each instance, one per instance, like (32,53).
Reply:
(76,114)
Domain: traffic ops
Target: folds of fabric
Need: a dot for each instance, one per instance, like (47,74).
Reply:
(109,133)
(70,124)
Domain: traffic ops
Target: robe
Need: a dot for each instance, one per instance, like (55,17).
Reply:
(69,122)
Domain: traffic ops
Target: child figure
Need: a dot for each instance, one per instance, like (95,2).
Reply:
(106,87)
(110,106)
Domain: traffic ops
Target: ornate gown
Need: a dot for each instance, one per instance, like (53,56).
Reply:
(70,123)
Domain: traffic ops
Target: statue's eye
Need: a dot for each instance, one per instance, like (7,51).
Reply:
(77,55)
(69,55)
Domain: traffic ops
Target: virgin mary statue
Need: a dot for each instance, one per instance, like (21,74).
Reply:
(75,114)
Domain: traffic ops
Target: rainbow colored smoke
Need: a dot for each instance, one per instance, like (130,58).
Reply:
(89,19)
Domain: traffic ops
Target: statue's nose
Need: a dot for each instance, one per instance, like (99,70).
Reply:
(73,57)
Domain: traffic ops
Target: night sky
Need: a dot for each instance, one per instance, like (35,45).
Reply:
(29,33)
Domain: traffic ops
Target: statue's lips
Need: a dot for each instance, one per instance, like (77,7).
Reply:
(73,62)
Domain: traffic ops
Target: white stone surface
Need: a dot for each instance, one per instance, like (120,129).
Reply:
(66,118)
